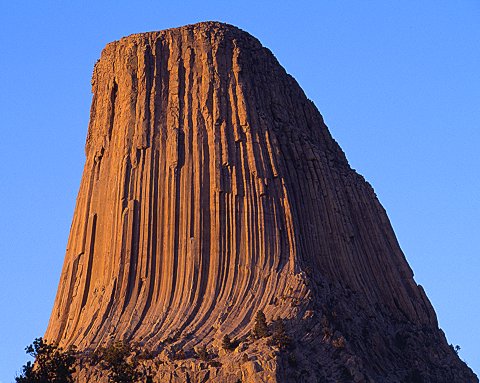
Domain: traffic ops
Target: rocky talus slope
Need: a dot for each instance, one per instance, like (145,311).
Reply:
(212,189)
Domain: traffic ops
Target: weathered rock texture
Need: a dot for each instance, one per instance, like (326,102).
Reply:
(213,189)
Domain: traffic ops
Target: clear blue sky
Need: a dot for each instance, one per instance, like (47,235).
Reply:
(398,83)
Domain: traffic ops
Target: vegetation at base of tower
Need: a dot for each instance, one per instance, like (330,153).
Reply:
(122,362)
(260,329)
(279,334)
(52,364)
(276,331)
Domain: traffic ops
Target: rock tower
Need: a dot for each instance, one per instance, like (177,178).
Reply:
(212,189)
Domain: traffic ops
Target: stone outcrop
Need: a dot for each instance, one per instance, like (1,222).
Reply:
(213,189)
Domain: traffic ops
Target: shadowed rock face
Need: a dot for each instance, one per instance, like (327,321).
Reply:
(212,189)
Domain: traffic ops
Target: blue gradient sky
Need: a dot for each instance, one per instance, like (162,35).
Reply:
(398,83)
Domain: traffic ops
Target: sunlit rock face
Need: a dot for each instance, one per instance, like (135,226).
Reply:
(212,189)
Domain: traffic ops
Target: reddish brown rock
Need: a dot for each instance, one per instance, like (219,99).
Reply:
(212,189)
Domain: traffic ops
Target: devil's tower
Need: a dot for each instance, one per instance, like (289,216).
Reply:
(212,189)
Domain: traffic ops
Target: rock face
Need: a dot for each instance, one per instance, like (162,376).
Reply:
(212,189)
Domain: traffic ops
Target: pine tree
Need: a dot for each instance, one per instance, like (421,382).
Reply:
(121,366)
(52,364)
(279,334)
(260,330)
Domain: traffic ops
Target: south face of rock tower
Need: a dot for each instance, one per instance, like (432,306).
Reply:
(212,189)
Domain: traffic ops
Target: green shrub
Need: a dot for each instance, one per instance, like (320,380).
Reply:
(121,364)
(52,364)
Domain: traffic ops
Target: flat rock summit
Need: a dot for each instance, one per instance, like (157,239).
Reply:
(213,190)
